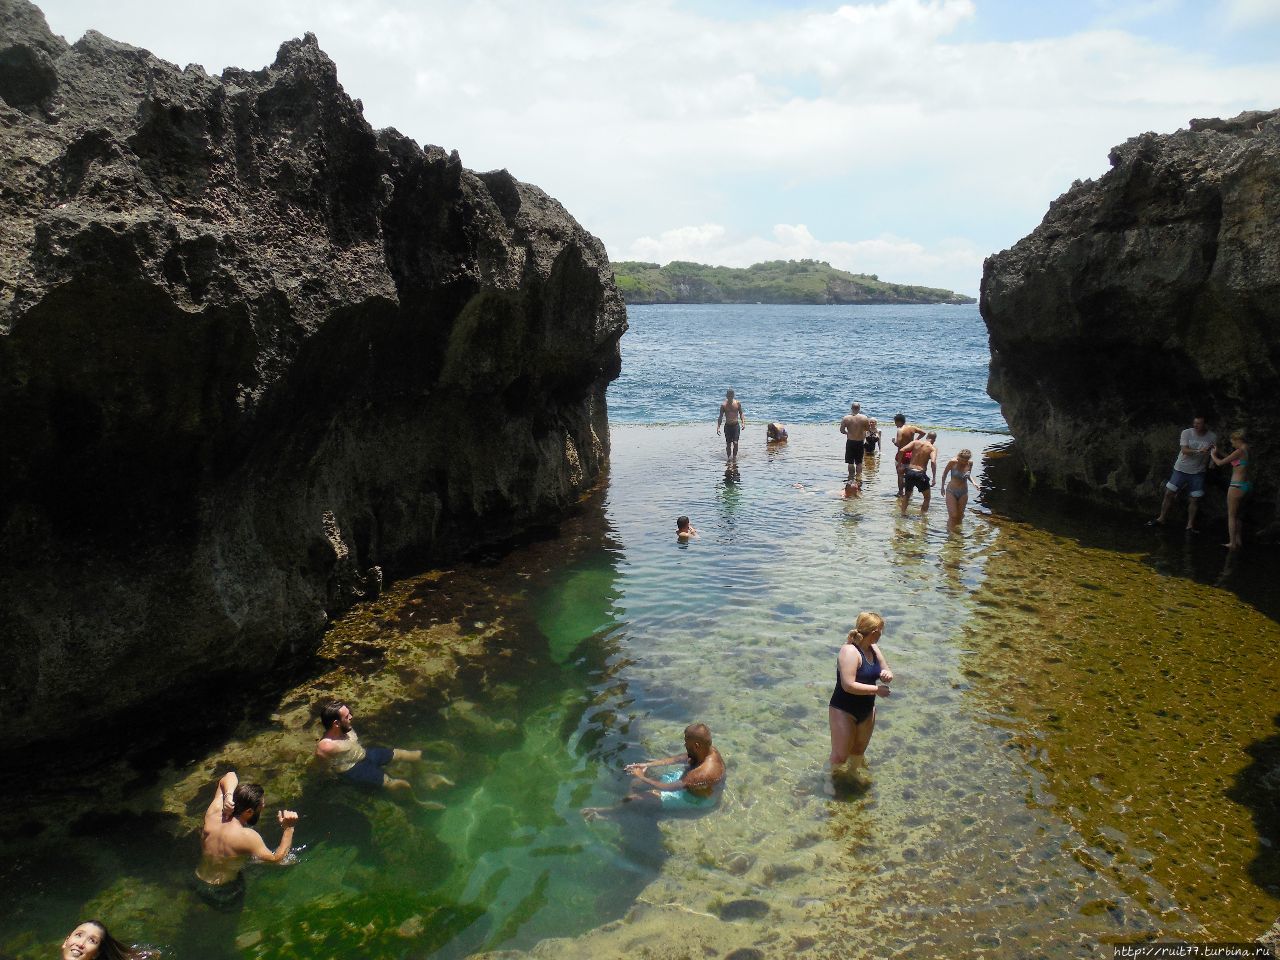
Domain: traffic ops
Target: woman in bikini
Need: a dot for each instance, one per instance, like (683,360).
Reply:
(1240,485)
(955,481)
(860,666)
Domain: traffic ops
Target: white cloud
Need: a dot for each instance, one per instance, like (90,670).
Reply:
(1244,13)
(642,115)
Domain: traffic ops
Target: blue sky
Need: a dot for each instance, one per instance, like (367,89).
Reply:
(908,138)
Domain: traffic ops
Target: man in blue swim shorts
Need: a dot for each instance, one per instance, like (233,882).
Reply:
(692,786)
(1188,471)
(342,752)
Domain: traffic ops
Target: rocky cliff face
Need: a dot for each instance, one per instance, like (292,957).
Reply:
(250,350)
(1141,299)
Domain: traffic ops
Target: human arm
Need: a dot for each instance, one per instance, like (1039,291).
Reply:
(638,769)
(885,673)
(933,466)
(847,665)
(221,805)
(1237,454)
(742,416)
(720,418)
(844,425)
(252,844)
(946,472)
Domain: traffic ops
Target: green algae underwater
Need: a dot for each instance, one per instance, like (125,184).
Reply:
(1081,748)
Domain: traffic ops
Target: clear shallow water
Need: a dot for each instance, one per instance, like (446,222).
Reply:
(1044,779)
(806,364)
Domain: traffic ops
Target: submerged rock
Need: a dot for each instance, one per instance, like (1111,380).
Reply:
(252,354)
(1143,297)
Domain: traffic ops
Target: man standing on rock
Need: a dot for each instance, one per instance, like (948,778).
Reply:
(921,456)
(731,414)
(854,426)
(907,432)
(1188,471)
(227,840)
(341,750)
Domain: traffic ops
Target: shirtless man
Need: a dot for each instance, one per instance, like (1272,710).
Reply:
(692,786)
(227,840)
(342,752)
(906,433)
(731,414)
(854,426)
(921,456)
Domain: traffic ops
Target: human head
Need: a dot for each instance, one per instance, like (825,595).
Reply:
(697,739)
(728,394)
(866,624)
(855,407)
(899,419)
(965,454)
(682,523)
(1198,423)
(931,436)
(335,711)
(91,941)
(872,421)
(1237,437)
(247,801)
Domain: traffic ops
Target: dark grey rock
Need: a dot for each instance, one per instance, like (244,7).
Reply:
(252,354)
(1142,297)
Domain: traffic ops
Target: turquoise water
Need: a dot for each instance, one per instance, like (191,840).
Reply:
(1038,786)
(806,364)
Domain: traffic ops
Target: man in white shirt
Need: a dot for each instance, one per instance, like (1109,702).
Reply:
(1188,471)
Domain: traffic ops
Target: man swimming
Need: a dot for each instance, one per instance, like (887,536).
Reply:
(227,840)
(342,752)
(906,433)
(854,426)
(731,414)
(921,456)
(692,786)
(685,530)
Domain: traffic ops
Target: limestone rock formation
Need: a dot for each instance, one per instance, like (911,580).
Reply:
(1142,298)
(252,350)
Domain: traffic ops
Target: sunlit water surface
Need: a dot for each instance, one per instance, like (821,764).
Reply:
(1080,750)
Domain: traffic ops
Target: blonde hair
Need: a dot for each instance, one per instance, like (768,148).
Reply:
(965,454)
(1237,435)
(867,623)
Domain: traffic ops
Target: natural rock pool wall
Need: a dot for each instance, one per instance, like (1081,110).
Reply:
(250,349)
(1142,298)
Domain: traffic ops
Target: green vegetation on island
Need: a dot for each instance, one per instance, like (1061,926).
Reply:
(777,281)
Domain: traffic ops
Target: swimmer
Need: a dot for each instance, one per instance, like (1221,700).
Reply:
(775,433)
(956,478)
(685,531)
(734,419)
(854,426)
(692,786)
(1240,485)
(919,455)
(342,752)
(227,840)
(905,434)
(91,941)
(872,439)
(861,675)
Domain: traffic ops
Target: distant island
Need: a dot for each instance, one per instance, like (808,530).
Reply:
(777,281)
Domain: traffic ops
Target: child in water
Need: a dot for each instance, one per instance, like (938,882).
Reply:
(684,530)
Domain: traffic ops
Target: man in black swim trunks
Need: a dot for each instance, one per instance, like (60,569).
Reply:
(227,840)
(342,752)
(919,456)
(854,426)
(731,414)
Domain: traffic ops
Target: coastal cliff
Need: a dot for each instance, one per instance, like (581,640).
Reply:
(1143,298)
(252,354)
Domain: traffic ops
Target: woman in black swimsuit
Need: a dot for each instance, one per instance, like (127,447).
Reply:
(860,666)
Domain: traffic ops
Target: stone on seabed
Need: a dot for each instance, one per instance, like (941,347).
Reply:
(253,353)
(1142,298)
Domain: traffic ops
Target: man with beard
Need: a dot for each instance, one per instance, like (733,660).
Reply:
(692,785)
(227,840)
(342,752)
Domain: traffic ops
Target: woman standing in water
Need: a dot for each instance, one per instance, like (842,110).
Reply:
(955,482)
(1240,485)
(91,941)
(859,667)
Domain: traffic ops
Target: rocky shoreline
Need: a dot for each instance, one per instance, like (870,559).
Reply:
(254,354)
(1144,297)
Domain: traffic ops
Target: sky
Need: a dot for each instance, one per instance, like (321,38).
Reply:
(905,138)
